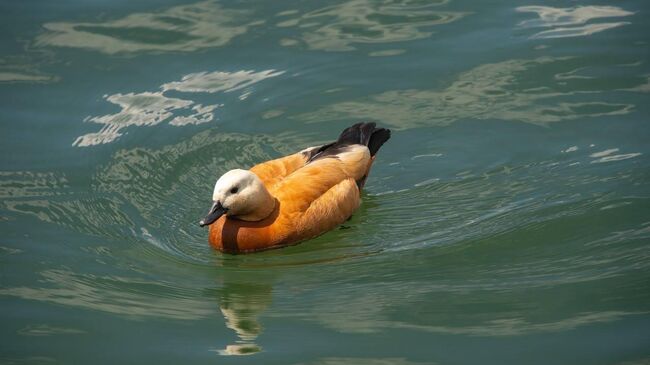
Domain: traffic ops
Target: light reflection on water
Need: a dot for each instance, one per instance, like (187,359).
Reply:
(151,108)
(24,68)
(184,28)
(343,27)
(570,22)
(207,24)
(499,91)
(24,76)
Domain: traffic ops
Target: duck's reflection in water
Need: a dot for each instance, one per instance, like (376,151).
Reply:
(242,302)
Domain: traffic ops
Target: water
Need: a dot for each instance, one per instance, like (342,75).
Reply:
(507,221)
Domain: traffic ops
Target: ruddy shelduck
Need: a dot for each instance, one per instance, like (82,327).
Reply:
(294,198)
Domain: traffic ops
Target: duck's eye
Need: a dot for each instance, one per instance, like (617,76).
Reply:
(234,190)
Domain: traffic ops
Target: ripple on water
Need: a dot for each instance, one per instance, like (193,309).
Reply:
(501,209)
(47,330)
(572,22)
(49,197)
(516,235)
(511,225)
(343,27)
(152,197)
(152,108)
(497,91)
(128,296)
(184,28)
(169,188)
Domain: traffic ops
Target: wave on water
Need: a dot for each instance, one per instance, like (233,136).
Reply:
(343,27)
(152,108)
(572,22)
(184,28)
(496,91)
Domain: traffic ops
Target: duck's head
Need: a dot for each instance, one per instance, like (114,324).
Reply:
(239,194)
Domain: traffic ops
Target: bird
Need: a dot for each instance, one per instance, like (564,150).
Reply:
(294,198)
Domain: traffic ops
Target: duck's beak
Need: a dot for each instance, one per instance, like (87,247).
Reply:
(215,212)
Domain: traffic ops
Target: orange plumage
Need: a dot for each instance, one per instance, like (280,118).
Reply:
(314,191)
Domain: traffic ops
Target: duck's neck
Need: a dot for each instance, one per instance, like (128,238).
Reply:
(264,207)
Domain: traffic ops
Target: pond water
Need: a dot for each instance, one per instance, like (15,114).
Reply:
(507,221)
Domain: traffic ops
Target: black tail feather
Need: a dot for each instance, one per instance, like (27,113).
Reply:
(357,134)
(366,134)
(377,139)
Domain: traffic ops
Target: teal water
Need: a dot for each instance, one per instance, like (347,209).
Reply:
(507,221)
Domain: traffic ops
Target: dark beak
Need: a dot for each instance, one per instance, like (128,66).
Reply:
(215,212)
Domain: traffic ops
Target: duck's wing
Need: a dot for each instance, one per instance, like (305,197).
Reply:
(273,171)
(355,145)
(310,182)
(322,194)
(361,137)
(328,210)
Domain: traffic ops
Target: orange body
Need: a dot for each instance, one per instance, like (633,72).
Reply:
(311,199)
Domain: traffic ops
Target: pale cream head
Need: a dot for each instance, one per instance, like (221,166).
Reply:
(243,195)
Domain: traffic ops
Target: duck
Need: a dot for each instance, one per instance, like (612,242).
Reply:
(294,198)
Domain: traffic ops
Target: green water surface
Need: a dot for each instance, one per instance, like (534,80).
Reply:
(507,221)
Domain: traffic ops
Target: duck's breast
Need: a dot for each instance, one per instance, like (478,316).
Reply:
(235,236)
